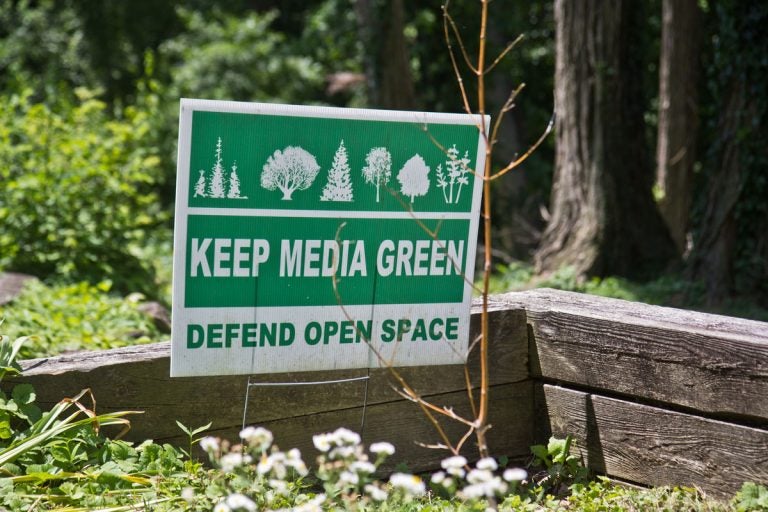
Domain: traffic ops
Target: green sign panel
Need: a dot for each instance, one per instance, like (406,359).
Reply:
(315,238)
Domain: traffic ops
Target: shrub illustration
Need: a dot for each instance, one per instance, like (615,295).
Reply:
(413,177)
(455,175)
(289,170)
(378,168)
(339,186)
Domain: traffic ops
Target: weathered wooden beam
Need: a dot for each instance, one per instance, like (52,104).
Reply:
(653,446)
(137,378)
(714,364)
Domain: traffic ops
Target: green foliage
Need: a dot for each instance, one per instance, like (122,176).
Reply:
(42,47)
(76,317)
(751,498)
(603,496)
(561,466)
(225,56)
(669,290)
(77,190)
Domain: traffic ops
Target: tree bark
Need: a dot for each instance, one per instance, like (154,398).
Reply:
(604,220)
(678,114)
(388,68)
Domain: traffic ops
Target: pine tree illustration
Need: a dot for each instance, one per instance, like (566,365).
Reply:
(216,186)
(339,186)
(234,184)
(200,185)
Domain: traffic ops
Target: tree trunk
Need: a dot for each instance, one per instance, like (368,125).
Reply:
(388,68)
(678,114)
(604,220)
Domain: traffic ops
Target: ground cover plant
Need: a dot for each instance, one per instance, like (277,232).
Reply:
(73,317)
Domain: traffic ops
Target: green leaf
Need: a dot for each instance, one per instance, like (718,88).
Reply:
(24,394)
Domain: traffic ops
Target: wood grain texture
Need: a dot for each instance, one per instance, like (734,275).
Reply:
(654,446)
(137,378)
(714,364)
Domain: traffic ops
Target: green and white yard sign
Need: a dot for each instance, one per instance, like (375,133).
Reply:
(302,232)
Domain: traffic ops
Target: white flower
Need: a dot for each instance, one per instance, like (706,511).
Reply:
(485,489)
(346,436)
(487,463)
(322,442)
(362,466)
(411,484)
(209,444)
(294,460)
(438,477)
(478,476)
(231,461)
(342,452)
(454,465)
(264,466)
(457,461)
(238,501)
(313,505)
(348,477)
(382,448)
(221,507)
(376,493)
(188,494)
(515,475)
(280,487)
(257,436)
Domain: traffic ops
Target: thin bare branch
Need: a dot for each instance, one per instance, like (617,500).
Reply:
(459,40)
(504,53)
(528,153)
(470,395)
(508,105)
(454,63)
(464,438)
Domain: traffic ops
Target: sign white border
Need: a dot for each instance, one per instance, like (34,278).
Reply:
(241,361)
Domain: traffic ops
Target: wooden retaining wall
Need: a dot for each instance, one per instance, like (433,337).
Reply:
(652,395)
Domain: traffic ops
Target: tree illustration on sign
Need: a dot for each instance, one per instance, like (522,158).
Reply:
(455,175)
(234,184)
(289,170)
(200,185)
(216,185)
(413,177)
(378,168)
(339,186)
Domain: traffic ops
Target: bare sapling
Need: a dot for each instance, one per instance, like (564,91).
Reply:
(477,424)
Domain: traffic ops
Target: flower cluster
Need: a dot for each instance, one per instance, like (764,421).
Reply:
(478,482)
(256,475)
(346,469)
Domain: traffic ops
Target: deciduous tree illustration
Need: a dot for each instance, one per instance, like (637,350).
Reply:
(289,170)
(234,184)
(455,175)
(414,177)
(216,185)
(339,186)
(378,168)
(200,185)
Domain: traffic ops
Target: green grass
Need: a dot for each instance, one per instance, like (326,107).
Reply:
(669,290)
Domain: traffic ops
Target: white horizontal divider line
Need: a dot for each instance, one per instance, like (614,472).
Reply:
(328,214)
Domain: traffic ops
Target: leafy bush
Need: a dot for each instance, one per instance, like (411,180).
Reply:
(77,191)
(76,317)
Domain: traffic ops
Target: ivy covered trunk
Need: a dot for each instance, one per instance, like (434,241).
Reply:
(603,217)
(731,243)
